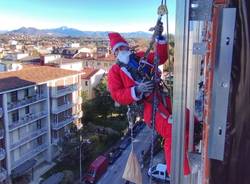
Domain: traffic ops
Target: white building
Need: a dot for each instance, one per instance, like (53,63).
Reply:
(73,45)
(39,104)
(10,66)
(50,58)
(15,56)
(68,64)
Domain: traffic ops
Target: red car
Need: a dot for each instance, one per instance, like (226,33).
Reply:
(96,169)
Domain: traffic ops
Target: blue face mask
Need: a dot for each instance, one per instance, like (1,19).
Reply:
(123,56)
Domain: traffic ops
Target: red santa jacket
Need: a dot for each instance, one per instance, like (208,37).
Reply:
(122,88)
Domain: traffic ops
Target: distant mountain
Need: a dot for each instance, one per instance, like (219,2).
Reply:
(65,31)
(3,31)
(27,31)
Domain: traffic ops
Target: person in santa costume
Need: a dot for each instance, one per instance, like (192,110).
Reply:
(126,86)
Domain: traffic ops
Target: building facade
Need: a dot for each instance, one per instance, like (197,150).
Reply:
(90,79)
(38,105)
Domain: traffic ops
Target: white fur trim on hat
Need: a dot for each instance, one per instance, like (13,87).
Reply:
(119,44)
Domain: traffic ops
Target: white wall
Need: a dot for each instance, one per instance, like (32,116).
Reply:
(77,66)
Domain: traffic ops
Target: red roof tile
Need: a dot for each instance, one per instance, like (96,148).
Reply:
(31,75)
(88,73)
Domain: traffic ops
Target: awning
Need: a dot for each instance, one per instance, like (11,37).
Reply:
(23,168)
(55,178)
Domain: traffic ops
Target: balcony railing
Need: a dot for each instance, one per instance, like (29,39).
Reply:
(79,114)
(58,109)
(25,101)
(28,137)
(59,125)
(79,101)
(3,174)
(27,118)
(66,90)
(32,153)
(55,141)
(1,133)
(2,153)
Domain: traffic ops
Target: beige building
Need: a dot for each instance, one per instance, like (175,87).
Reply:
(38,105)
(90,79)
(104,63)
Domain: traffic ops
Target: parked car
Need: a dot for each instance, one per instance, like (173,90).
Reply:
(96,169)
(125,143)
(114,154)
(159,172)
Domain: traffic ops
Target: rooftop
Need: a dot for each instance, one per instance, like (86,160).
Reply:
(31,75)
(88,73)
(63,61)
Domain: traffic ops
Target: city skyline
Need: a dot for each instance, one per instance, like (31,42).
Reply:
(83,15)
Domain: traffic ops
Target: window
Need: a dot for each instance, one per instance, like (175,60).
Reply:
(15,116)
(39,140)
(26,92)
(39,124)
(156,172)
(98,64)
(162,173)
(27,110)
(86,83)
(13,96)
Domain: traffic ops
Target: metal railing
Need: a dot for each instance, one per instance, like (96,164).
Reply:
(58,109)
(3,174)
(25,101)
(28,137)
(2,153)
(27,118)
(61,124)
(30,154)
(65,90)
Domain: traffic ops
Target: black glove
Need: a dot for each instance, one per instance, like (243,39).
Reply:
(159,29)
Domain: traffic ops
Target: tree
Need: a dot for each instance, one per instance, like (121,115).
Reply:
(103,101)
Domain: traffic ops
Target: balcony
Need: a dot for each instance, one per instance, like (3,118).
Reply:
(59,125)
(56,141)
(1,133)
(58,109)
(30,154)
(28,138)
(79,114)
(66,90)
(2,153)
(26,101)
(3,174)
(79,101)
(28,119)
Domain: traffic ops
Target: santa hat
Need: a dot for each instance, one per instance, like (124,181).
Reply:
(116,41)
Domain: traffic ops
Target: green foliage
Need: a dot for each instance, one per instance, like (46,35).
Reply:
(102,105)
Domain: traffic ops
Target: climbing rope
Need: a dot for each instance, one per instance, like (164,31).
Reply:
(162,10)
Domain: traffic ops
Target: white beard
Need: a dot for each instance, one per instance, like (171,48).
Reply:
(123,56)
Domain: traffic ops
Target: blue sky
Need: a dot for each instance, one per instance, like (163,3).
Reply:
(89,15)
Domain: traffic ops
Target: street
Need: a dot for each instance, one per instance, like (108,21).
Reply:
(114,173)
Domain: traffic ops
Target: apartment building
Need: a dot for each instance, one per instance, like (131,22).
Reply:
(104,63)
(90,79)
(38,105)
